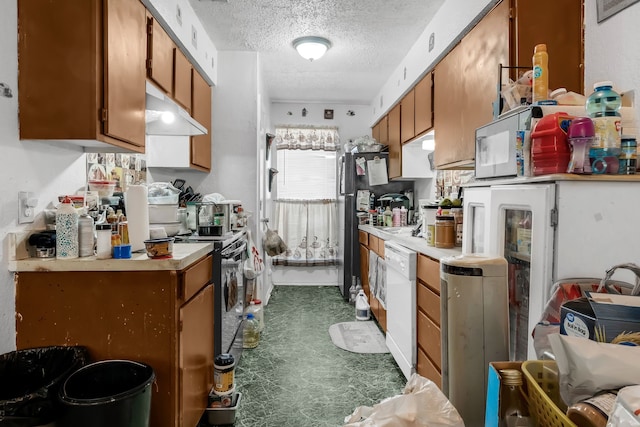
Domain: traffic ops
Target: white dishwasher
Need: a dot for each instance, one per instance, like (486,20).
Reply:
(401,305)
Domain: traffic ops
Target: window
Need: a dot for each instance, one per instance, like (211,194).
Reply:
(306,174)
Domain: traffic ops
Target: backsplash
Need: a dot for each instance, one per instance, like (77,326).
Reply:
(125,169)
(448,182)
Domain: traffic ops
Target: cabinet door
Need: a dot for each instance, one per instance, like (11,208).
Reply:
(423,111)
(395,146)
(201,111)
(364,269)
(384,130)
(196,356)
(375,132)
(407,119)
(447,104)
(124,71)
(182,79)
(562,31)
(160,56)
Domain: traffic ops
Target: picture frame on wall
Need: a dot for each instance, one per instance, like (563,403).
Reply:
(328,114)
(608,8)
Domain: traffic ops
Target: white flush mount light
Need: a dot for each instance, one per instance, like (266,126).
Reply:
(168,117)
(311,47)
(429,141)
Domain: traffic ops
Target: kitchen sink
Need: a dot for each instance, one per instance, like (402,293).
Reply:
(397,230)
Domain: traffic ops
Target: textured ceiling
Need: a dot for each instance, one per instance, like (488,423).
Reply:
(369,39)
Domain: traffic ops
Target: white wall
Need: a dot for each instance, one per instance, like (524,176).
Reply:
(450,23)
(45,169)
(611,50)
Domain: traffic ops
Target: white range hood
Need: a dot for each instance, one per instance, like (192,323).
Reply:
(159,110)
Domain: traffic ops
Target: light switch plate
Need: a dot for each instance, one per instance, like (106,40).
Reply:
(26,207)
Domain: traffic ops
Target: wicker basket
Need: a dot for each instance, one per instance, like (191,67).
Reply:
(545,403)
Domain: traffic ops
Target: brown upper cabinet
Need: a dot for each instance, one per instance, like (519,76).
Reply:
(375,132)
(160,56)
(82,73)
(384,131)
(465,80)
(201,111)
(395,146)
(182,79)
(407,118)
(423,110)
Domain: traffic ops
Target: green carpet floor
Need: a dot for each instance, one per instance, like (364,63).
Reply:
(296,377)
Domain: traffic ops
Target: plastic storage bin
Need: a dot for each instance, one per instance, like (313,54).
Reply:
(545,403)
(30,380)
(550,149)
(109,393)
(225,415)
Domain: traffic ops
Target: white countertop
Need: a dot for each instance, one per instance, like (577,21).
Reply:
(184,254)
(405,239)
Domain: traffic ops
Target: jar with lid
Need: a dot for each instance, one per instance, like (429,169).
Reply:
(103,241)
(628,156)
(594,411)
(514,410)
(224,374)
(445,235)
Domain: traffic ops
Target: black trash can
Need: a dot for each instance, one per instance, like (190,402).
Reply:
(109,393)
(30,380)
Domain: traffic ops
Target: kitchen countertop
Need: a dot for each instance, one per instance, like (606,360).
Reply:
(404,238)
(184,254)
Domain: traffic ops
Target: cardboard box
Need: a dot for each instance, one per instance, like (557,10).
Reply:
(495,390)
(600,317)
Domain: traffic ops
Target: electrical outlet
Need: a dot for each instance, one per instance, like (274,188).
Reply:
(26,207)
(194,37)
(179,15)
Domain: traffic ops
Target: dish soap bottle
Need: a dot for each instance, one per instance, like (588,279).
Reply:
(388,217)
(66,230)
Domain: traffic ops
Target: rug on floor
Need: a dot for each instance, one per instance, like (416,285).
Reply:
(358,337)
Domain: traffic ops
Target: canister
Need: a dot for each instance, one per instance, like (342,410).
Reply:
(445,235)
(628,156)
(224,374)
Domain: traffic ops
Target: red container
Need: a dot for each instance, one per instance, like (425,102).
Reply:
(550,149)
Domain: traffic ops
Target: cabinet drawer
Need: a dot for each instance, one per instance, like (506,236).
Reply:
(429,302)
(363,237)
(429,272)
(429,339)
(427,369)
(196,277)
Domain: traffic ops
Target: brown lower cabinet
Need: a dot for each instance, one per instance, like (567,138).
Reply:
(162,318)
(428,319)
(376,245)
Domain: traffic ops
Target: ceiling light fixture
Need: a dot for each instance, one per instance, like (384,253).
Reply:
(311,47)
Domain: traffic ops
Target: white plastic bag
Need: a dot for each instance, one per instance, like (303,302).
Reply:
(422,404)
(587,367)
(254,265)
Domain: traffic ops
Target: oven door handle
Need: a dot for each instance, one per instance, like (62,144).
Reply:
(235,252)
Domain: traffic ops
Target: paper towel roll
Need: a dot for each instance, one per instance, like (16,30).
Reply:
(137,209)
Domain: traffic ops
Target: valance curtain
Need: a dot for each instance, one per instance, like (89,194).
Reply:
(310,230)
(307,138)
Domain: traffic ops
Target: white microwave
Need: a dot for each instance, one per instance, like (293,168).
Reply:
(496,144)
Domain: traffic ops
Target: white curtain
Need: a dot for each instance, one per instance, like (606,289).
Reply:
(310,230)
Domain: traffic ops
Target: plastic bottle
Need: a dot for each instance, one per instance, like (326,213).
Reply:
(363,310)
(251,332)
(86,235)
(540,73)
(388,220)
(66,230)
(403,216)
(352,291)
(103,241)
(395,219)
(514,410)
(255,308)
(224,374)
(603,107)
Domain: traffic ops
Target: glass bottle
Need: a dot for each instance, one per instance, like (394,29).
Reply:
(251,332)
(514,410)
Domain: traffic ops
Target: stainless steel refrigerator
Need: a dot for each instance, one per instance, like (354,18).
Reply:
(349,182)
